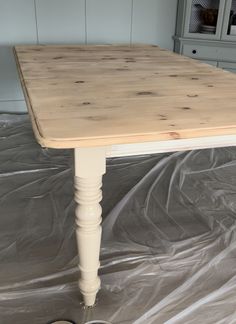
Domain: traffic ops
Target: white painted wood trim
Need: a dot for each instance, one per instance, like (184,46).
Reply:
(90,165)
(171,146)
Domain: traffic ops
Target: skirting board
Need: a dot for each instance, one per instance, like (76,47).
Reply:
(13,106)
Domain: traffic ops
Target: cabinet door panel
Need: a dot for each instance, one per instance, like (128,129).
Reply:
(17,22)
(204,23)
(61,21)
(13,106)
(154,22)
(109,21)
(229,25)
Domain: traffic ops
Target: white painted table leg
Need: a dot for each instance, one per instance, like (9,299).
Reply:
(90,165)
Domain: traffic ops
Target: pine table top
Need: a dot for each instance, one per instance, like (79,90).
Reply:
(87,95)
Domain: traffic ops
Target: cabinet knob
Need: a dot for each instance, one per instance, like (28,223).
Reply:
(194,51)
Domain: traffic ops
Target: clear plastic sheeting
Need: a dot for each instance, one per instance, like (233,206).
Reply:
(169,236)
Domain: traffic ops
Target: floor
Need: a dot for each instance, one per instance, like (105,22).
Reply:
(169,243)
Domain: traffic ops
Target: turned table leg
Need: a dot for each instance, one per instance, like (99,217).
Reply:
(90,165)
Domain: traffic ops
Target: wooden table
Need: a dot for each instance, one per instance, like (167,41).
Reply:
(107,101)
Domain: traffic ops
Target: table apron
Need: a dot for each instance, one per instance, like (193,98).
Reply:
(171,146)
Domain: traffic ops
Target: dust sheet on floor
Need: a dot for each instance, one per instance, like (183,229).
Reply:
(169,235)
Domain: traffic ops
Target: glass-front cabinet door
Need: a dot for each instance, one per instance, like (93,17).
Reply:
(204,18)
(229,26)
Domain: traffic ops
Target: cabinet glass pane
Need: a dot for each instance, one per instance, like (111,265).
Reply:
(232,19)
(204,16)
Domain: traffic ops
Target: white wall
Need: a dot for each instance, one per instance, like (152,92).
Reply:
(77,21)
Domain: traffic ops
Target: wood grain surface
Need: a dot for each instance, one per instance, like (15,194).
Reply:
(85,96)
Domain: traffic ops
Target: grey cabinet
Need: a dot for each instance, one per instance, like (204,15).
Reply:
(206,31)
